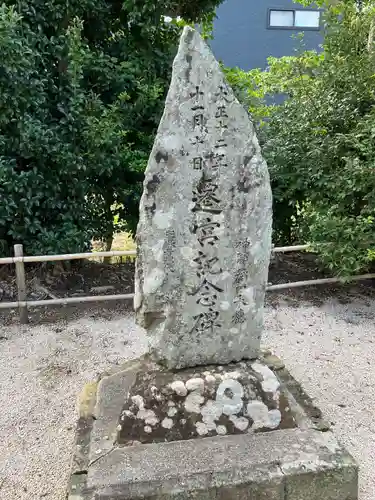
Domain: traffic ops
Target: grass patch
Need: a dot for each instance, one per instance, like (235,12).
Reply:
(121,241)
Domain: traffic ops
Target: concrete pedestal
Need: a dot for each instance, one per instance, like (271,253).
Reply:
(142,436)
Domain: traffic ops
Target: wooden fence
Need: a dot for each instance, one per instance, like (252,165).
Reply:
(22,303)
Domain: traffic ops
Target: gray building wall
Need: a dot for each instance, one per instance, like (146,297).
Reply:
(242,37)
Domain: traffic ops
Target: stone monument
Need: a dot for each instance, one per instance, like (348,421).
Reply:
(204,235)
(205,415)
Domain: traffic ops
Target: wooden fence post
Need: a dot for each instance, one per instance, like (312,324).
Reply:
(21,285)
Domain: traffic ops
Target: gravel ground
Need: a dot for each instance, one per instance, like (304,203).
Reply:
(330,350)
(43,369)
(328,347)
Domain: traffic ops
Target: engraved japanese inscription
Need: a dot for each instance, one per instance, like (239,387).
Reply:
(206,201)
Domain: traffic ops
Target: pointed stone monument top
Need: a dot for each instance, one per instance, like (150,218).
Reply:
(204,234)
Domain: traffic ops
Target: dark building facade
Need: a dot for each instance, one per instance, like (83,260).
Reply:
(247,32)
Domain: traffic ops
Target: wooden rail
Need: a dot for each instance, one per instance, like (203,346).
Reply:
(94,255)
(22,304)
(64,301)
(322,281)
(67,256)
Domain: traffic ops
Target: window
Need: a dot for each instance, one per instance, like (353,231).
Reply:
(306,18)
(293,19)
(284,18)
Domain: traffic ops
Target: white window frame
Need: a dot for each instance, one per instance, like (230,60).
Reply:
(294,27)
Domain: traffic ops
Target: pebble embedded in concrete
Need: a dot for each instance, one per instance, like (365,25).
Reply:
(270,382)
(167,423)
(172,411)
(148,416)
(193,402)
(240,423)
(212,409)
(231,375)
(210,379)
(211,412)
(221,430)
(138,401)
(258,412)
(262,417)
(179,388)
(229,394)
(239,398)
(274,417)
(195,384)
(201,429)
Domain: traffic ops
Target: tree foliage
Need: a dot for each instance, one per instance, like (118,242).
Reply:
(319,143)
(82,85)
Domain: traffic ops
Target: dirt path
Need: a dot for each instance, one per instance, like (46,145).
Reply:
(328,345)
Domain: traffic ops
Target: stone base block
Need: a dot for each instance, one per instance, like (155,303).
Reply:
(245,431)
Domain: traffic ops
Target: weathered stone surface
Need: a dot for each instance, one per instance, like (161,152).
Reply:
(331,474)
(274,362)
(292,462)
(241,467)
(204,235)
(324,482)
(86,405)
(112,391)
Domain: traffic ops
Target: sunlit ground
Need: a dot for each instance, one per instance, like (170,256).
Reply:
(122,241)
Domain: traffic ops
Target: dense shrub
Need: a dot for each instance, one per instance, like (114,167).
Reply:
(319,143)
(82,85)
